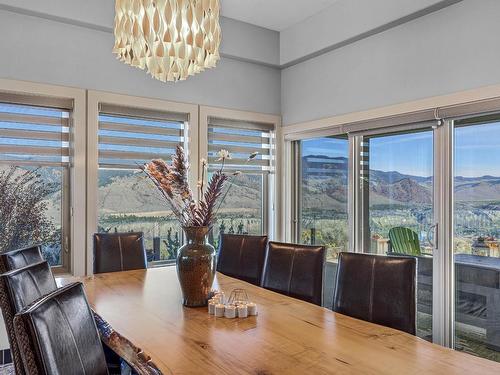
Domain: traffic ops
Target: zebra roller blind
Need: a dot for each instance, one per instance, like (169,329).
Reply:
(34,131)
(129,137)
(241,139)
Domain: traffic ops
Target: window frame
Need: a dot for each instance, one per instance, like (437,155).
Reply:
(94,98)
(270,203)
(74,189)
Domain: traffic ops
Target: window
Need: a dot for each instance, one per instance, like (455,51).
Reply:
(247,199)
(476,238)
(127,200)
(34,173)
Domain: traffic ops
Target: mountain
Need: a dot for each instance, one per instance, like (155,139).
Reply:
(478,189)
(405,190)
(392,177)
(133,193)
(325,180)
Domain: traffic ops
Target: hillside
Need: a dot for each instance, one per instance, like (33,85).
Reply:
(325,179)
(130,193)
(405,190)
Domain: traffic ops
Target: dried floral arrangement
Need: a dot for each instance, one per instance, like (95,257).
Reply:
(172,182)
(23,206)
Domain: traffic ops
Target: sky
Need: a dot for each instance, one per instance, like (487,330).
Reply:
(477,151)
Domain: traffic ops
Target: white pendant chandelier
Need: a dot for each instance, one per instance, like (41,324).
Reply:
(171,39)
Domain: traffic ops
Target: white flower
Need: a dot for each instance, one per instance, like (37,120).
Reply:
(223,155)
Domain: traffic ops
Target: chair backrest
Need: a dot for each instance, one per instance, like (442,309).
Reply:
(295,270)
(57,334)
(20,287)
(25,285)
(20,258)
(119,252)
(378,289)
(242,256)
(404,241)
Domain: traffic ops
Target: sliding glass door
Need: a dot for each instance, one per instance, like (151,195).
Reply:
(424,190)
(395,202)
(477,236)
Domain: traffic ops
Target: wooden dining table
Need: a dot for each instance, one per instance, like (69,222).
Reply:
(288,336)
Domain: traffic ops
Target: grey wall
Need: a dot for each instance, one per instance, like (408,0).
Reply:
(43,50)
(451,50)
(346,20)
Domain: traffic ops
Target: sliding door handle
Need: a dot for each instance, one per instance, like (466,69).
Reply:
(434,241)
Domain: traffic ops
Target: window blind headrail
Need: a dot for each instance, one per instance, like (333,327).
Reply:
(480,107)
(36,101)
(406,128)
(421,117)
(241,125)
(237,138)
(142,113)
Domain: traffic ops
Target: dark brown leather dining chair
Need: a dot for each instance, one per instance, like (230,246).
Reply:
(119,252)
(20,258)
(57,334)
(377,289)
(18,288)
(295,270)
(242,257)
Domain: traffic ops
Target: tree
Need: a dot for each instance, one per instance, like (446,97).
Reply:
(23,206)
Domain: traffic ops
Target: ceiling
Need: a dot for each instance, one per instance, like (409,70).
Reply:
(273,14)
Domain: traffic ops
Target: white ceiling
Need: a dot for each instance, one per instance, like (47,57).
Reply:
(273,14)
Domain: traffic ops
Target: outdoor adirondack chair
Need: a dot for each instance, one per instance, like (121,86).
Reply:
(404,241)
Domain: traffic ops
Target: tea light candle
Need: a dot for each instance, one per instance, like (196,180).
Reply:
(211,307)
(242,311)
(252,308)
(219,310)
(215,299)
(221,297)
(230,312)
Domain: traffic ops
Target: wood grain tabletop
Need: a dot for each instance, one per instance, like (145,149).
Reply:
(287,337)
